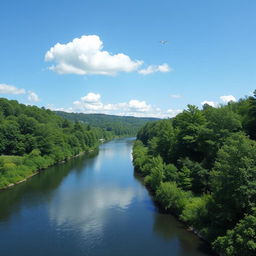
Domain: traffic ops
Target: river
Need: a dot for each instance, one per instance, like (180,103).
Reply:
(90,206)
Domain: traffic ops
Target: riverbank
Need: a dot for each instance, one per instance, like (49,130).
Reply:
(168,196)
(13,171)
(18,169)
(171,211)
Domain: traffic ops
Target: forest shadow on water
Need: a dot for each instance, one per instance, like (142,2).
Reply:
(170,228)
(40,186)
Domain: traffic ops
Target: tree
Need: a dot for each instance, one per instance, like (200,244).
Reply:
(188,127)
(184,178)
(216,161)
(199,176)
(251,123)
(11,138)
(157,172)
(170,172)
(239,241)
(221,122)
(234,180)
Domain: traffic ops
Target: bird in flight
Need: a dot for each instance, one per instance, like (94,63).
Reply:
(163,41)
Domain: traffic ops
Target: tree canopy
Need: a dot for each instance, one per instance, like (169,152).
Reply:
(32,138)
(206,171)
(117,125)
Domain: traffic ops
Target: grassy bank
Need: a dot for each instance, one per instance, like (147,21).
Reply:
(17,169)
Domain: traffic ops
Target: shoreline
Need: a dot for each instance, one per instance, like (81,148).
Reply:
(186,226)
(11,185)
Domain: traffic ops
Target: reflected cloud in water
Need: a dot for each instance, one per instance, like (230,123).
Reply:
(90,208)
(97,165)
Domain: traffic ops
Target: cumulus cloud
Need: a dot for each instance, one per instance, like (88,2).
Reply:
(227,98)
(91,97)
(91,103)
(210,103)
(85,56)
(138,106)
(224,99)
(153,69)
(33,97)
(9,89)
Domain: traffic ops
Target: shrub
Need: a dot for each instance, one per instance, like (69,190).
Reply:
(172,198)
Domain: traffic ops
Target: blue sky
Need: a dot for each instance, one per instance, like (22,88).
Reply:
(109,58)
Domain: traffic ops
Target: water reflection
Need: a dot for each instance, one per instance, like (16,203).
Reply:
(90,206)
(89,209)
(40,186)
(170,229)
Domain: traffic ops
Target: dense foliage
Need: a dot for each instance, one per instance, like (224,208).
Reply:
(201,165)
(32,138)
(118,125)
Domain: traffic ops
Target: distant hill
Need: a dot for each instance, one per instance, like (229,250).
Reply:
(119,125)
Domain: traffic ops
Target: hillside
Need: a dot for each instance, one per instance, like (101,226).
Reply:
(119,125)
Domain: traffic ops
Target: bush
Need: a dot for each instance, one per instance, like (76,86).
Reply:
(17,160)
(8,167)
(196,211)
(172,198)
(148,180)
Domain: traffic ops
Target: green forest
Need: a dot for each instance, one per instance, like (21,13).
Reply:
(201,166)
(118,125)
(33,138)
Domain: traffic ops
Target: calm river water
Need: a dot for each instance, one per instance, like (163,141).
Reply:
(90,206)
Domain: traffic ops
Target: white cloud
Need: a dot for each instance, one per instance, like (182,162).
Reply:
(91,103)
(153,69)
(9,89)
(224,99)
(92,220)
(138,106)
(33,97)
(227,98)
(91,97)
(173,112)
(164,68)
(84,56)
(175,96)
(210,103)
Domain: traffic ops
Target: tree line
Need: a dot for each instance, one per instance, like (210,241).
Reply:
(201,166)
(118,125)
(33,138)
